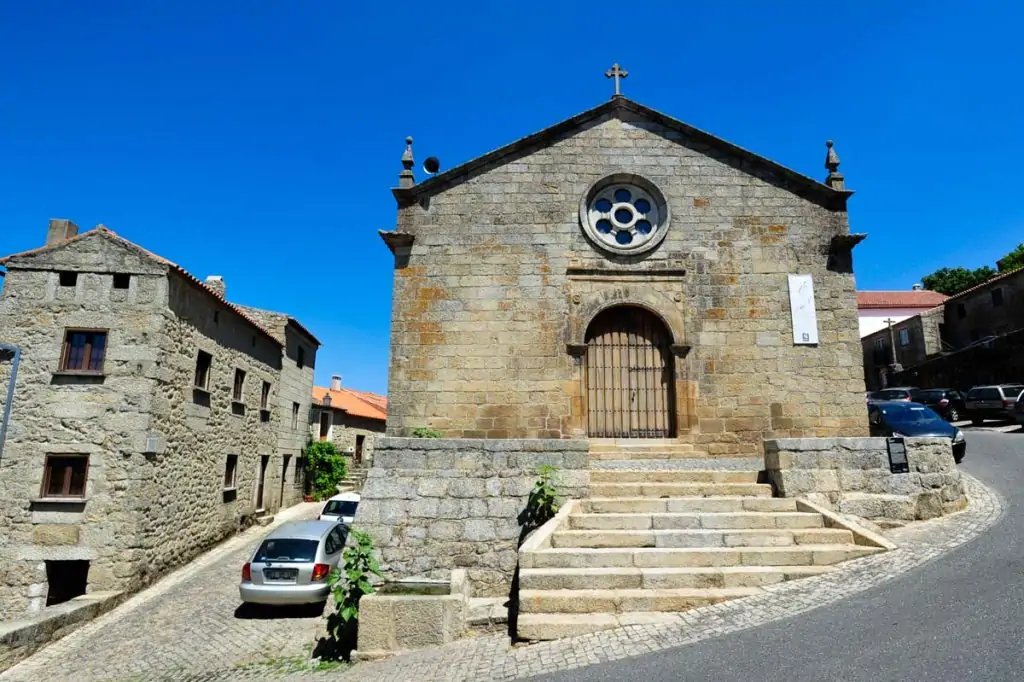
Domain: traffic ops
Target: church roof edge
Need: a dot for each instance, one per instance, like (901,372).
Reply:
(783,176)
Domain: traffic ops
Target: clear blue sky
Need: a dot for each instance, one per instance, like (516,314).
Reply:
(259,140)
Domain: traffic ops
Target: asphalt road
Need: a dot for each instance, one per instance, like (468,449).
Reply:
(960,617)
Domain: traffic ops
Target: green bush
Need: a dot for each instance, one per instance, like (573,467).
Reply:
(325,467)
(425,432)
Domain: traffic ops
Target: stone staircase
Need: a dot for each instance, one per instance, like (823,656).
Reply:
(666,530)
(354,480)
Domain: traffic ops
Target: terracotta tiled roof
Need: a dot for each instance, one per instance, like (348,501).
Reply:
(899,299)
(107,233)
(356,403)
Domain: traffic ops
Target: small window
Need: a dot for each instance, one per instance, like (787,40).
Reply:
(203,362)
(904,337)
(65,579)
(295,416)
(238,392)
(65,475)
(231,472)
(961,311)
(122,280)
(265,396)
(83,351)
(997,297)
(68,279)
(300,358)
(879,344)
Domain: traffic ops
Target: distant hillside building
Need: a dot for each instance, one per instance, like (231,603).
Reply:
(151,417)
(875,307)
(351,419)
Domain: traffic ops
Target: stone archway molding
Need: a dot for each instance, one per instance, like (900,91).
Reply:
(654,302)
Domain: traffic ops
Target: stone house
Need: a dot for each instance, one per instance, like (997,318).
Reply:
(148,422)
(623,274)
(352,420)
(876,308)
(915,339)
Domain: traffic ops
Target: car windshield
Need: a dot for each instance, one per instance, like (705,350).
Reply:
(286,550)
(890,395)
(1012,391)
(929,396)
(341,507)
(911,415)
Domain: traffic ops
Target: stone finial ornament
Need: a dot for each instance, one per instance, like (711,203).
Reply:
(406,178)
(835,179)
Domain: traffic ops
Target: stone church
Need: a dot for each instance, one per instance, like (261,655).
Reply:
(624,275)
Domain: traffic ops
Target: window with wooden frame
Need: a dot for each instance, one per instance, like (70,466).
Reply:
(203,363)
(238,392)
(231,472)
(265,402)
(65,475)
(83,351)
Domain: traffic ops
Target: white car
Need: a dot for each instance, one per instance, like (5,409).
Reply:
(341,508)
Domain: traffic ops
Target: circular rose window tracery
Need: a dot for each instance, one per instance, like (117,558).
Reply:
(624,214)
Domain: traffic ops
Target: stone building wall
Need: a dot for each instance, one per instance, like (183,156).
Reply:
(106,417)
(501,278)
(345,429)
(432,505)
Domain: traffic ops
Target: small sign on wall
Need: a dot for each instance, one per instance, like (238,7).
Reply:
(801,304)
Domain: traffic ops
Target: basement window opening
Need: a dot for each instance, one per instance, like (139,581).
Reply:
(65,580)
(122,280)
(68,279)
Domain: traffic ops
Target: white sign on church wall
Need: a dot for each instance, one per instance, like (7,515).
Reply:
(801,304)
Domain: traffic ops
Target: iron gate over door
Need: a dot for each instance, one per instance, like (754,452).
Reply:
(629,376)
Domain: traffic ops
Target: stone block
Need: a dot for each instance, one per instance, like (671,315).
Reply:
(55,534)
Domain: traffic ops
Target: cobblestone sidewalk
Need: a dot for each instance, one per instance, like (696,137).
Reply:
(183,627)
(491,657)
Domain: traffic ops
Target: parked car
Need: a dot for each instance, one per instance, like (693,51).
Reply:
(1018,410)
(894,393)
(992,402)
(947,402)
(292,563)
(341,508)
(900,418)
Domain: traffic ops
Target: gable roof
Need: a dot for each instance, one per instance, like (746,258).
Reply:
(266,317)
(356,403)
(760,166)
(993,280)
(105,233)
(921,298)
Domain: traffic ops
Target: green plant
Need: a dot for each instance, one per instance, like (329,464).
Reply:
(352,580)
(326,468)
(425,432)
(542,504)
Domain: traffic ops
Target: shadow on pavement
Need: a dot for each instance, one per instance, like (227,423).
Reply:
(265,612)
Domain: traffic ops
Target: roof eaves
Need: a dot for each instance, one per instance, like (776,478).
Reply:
(798,183)
(991,280)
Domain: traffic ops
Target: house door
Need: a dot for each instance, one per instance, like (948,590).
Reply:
(261,485)
(358,458)
(284,475)
(629,376)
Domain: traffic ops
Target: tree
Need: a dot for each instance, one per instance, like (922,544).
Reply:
(326,466)
(1012,260)
(952,281)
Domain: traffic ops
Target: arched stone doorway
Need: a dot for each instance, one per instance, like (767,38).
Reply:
(629,377)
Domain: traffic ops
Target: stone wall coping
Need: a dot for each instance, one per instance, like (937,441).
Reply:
(487,445)
(861,534)
(541,538)
(824,444)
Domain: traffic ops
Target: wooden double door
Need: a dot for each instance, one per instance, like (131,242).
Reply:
(629,376)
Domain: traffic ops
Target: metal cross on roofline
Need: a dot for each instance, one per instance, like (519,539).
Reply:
(616,72)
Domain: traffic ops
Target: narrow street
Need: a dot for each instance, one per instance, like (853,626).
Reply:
(958,617)
(190,625)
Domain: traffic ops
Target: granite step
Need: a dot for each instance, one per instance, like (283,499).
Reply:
(742,537)
(682,504)
(671,476)
(685,557)
(693,520)
(662,578)
(625,600)
(642,489)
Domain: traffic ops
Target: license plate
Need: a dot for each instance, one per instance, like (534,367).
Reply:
(279,573)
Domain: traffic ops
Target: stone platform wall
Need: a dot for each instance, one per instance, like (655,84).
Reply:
(432,505)
(853,476)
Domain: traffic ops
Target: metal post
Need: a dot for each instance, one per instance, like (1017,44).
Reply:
(11,348)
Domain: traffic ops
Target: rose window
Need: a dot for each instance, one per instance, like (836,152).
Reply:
(625,217)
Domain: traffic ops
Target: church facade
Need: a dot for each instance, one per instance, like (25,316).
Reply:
(624,275)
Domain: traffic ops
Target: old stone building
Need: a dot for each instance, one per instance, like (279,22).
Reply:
(151,417)
(623,274)
(352,420)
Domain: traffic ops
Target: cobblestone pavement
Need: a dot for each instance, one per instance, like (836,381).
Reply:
(185,627)
(491,657)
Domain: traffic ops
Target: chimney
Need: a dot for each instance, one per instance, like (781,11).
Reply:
(60,230)
(216,282)
(335,382)
(918,287)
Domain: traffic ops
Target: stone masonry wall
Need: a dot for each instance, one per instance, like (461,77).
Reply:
(853,476)
(432,505)
(105,417)
(501,277)
(346,428)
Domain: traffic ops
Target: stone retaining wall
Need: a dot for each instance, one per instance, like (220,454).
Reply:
(853,476)
(432,505)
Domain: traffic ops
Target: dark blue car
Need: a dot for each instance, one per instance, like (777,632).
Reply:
(900,418)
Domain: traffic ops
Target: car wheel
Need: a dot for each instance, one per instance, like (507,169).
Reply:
(954,416)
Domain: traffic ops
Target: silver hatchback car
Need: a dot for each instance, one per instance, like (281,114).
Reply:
(292,563)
